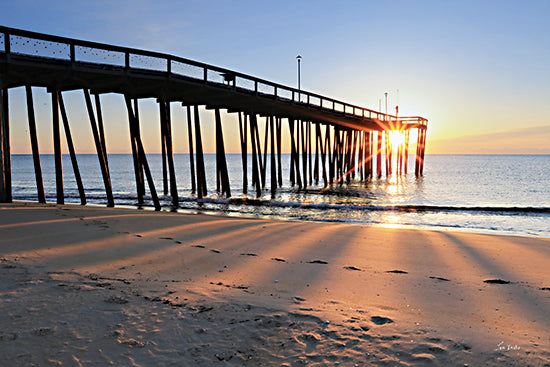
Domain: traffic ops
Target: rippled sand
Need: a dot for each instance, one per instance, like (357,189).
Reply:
(95,286)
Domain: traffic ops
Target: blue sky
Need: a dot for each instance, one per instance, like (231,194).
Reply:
(471,67)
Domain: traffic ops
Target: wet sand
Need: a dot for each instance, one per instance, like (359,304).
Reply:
(96,286)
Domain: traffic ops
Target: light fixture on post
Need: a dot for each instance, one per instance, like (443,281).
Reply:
(299,59)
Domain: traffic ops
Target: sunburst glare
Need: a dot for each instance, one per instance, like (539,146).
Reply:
(396,137)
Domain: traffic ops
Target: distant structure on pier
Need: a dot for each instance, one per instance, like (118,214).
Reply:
(331,141)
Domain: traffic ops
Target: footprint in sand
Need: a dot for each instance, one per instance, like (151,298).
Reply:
(249,254)
(380,320)
(352,268)
(310,342)
(170,239)
(545,289)
(278,259)
(215,251)
(496,281)
(317,262)
(116,300)
(440,278)
(199,246)
(397,272)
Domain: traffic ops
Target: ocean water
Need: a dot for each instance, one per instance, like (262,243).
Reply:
(500,194)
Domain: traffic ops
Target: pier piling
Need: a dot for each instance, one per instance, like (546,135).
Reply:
(243,127)
(201,173)
(191,154)
(101,151)
(57,149)
(133,120)
(72,153)
(221,164)
(166,121)
(273,158)
(5,153)
(255,156)
(34,146)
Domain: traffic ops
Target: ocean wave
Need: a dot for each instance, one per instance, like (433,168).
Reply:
(400,208)
(410,208)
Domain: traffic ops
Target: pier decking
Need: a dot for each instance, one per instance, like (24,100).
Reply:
(344,139)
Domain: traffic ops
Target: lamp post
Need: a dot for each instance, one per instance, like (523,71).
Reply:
(388,159)
(299,58)
(386,95)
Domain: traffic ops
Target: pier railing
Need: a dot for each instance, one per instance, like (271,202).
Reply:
(78,52)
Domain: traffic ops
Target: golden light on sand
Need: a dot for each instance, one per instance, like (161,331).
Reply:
(286,291)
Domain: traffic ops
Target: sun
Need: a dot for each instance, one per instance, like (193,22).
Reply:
(396,137)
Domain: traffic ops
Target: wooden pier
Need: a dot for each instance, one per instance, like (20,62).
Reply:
(331,141)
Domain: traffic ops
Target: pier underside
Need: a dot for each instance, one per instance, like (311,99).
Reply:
(100,79)
(344,139)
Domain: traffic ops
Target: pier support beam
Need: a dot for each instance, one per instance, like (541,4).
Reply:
(355,134)
(387,155)
(361,155)
(316,162)
(406,148)
(400,159)
(417,155)
(339,153)
(101,151)
(279,151)
(420,152)
(255,157)
(348,155)
(141,157)
(309,151)
(101,129)
(191,154)
(222,175)
(423,152)
(368,143)
(34,146)
(57,149)
(263,166)
(333,154)
(201,173)
(72,152)
(303,132)
(329,154)
(294,154)
(162,113)
(244,149)
(5,150)
(133,118)
(273,158)
(379,154)
(166,122)
(322,150)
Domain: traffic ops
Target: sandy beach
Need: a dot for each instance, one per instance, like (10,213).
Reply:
(95,286)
